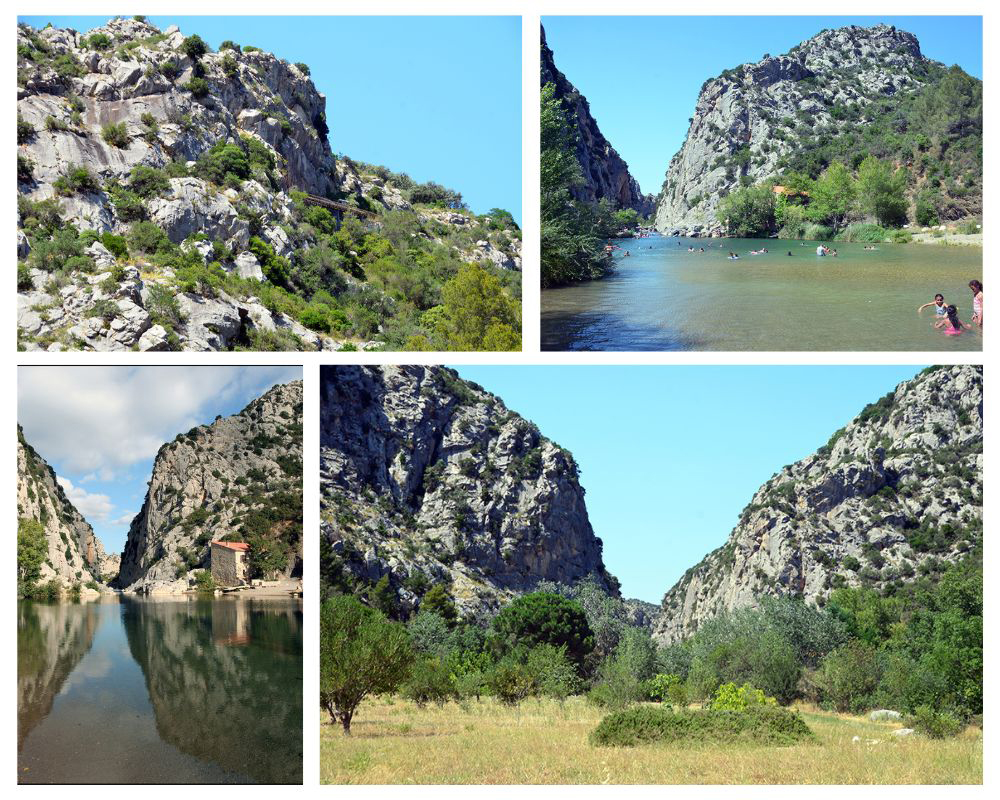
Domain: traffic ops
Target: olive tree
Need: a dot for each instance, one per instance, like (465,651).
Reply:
(361,653)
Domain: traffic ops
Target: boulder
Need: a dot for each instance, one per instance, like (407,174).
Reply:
(248,267)
(883,714)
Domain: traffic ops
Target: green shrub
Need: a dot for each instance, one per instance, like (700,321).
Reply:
(229,44)
(146,238)
(430,681)
(763,725)
(115,134)
(553,674)
(198,87)
(667,688)
(229,65)
(934,724)
(730,697)
(545,618)
(510,681)
(303,68)
(77,179)
(25,130)
(819,233)
(147,181)
(864,232)
(97,41)
(25,168)
(194,47)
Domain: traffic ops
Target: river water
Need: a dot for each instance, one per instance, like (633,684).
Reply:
(663,297)
(160,691)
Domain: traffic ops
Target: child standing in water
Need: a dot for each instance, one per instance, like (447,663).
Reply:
(951,323)
(977,302)
(940,309)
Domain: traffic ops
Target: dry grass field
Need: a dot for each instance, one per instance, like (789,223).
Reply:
(543,742)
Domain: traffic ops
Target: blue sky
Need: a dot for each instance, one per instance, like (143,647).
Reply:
(99,427)
(642,75)
(669,456)
(436,97)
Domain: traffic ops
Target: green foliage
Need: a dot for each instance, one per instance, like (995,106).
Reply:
(667,688)
(32,550)
(97,41)
(730,697)
(77,179)
(198,87)
(572,247)
(545,618)
(204,581)
(194,47)
(761,725)
(934,724)
(881,191)
(478,314)
(115,134)
(430,681)
(553,674)
(748,212)
(148,182)
(438,601)
(25,130)
(303,68)
(361,654)
(510,681)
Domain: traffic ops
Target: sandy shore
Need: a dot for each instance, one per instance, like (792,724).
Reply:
(956,239)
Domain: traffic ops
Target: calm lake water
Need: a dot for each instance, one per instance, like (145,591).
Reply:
(160,691)
(664,298)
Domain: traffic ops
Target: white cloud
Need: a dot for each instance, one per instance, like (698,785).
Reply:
(93,507)
(123,519)
(104,419)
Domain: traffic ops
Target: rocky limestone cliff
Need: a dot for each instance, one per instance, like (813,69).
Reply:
(605,173)
(75,554)
(426,478)
(238,476)
(895,493)
(129,75)
(745,119)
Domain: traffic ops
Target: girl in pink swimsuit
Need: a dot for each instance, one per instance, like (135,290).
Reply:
(951,323)
(977,302)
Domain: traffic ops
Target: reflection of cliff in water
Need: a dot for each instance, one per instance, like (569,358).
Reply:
(225,680)
(51,641)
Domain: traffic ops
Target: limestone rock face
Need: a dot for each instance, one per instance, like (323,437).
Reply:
(239,475)
(745,120)
(895,493)
(75,554)
(69,91)
(605,173)
(425,476)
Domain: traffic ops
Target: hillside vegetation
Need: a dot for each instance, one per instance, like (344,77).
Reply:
(165,202)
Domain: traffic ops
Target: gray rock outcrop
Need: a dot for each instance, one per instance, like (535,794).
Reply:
(238,475)
(605,173)
(894,494)
(75,555)
(751,116)
(426,478)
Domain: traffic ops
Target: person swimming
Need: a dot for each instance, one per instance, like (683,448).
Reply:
(940,309)
(821,251)
(951,323)
(789,252)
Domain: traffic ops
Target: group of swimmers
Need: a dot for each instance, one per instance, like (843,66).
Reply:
(822,250)
(948,314)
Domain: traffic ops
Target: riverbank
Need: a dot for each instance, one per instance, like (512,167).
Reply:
(953,239)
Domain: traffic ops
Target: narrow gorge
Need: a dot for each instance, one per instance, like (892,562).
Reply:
(238,478)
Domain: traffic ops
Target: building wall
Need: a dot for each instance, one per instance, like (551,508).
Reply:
(227,566)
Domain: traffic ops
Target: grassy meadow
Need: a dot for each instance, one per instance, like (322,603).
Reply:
(545,742)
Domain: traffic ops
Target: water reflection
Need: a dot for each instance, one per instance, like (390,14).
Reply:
(198,691)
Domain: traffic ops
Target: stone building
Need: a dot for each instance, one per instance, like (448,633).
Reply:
(229,563)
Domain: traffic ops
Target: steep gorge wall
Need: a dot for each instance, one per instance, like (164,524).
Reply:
(428,478)
(895,493)
(75,555)
(748,118)
(238,475)
(605,173)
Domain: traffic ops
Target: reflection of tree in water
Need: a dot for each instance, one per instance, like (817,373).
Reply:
(225,680)
(51,641)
